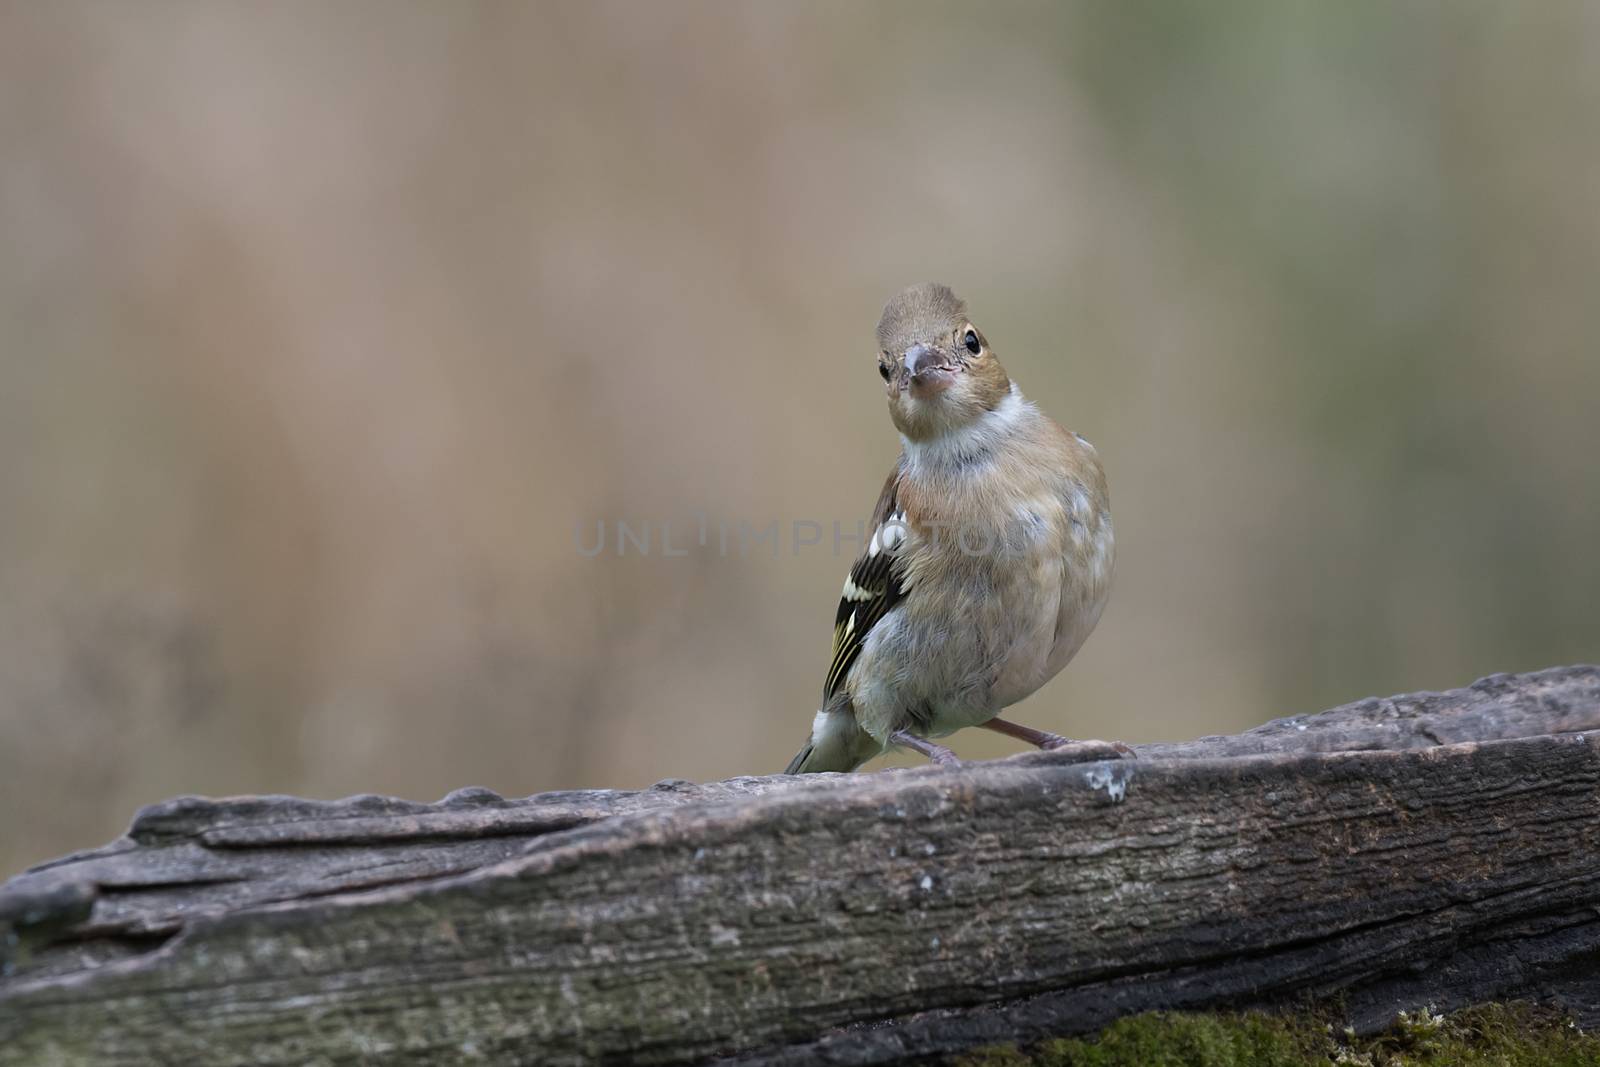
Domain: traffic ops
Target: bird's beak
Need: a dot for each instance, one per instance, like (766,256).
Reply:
(929,375)
(918,357)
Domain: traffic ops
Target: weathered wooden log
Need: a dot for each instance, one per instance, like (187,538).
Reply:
(1433,848)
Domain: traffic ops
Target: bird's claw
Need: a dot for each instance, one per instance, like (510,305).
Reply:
(1088,751)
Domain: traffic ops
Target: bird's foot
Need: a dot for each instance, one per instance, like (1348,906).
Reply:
(937,753)
(1082,751)
(1088,751)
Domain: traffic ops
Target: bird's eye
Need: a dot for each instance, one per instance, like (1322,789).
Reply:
(971,341)
(883,371)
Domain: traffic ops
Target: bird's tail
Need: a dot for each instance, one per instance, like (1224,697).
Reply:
(836,744)
(798,764)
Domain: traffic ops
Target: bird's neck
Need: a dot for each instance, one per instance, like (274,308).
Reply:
(969,445)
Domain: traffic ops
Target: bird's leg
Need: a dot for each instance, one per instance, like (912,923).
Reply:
(937,753)
(1090,750)
(1036,738)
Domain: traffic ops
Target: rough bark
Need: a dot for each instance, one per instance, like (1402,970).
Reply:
(1431,848)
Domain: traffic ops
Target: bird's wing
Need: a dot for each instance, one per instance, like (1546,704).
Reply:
(872,589)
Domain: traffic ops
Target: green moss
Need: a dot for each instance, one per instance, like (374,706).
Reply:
(1499,1035)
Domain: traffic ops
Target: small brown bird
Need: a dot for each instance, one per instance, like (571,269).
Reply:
(990,558)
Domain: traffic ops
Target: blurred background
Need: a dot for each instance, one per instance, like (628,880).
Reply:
(327,330)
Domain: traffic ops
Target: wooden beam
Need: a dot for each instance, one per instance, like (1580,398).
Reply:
(1433,848)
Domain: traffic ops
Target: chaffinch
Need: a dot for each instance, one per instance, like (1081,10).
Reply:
(990,557)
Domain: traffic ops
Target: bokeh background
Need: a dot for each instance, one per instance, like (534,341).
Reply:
(324,328)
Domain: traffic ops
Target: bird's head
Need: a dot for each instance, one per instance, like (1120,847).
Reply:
(936,366)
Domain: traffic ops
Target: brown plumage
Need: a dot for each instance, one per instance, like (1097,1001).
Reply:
(991,553)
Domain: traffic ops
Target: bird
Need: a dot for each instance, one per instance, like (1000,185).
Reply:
(990,558)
